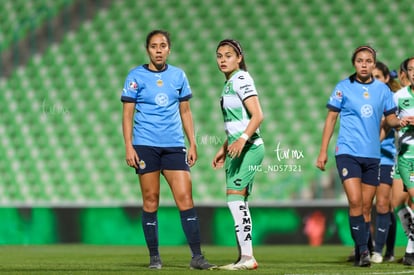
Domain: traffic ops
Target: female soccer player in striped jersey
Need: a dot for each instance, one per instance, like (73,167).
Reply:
(243,147)
(404,99)
(156,109)
(362,101)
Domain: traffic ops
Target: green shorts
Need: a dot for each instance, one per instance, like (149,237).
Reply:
(240,171)
(406,171)
(396,172)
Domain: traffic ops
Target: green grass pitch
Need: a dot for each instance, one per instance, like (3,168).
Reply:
(90,259)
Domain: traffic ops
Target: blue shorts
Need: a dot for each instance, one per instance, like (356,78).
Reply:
(386,174)
(153,158)
(367,169)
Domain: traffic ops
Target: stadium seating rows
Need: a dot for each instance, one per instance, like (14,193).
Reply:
(61,128)
(20,17)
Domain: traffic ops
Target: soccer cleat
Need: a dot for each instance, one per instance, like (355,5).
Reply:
(408,259)
(199,262)
(389,258)
(227,267)
(244,264)
(376,258)
(364,260)
(155,262)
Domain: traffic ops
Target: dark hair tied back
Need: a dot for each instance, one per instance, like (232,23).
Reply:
(237,48)
(364,48)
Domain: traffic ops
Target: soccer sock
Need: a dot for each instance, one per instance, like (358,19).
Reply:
(404,214)
(392,235)
(370,243)
(359,232)
(191,227)
(150,228)
(382,226)
(242,225)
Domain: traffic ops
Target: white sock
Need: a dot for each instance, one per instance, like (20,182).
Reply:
(406,216)
(410,245)
(242,225)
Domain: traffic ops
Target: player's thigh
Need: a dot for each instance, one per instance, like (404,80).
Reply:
(399,194)
(353,191)
(406,170)
(239,173)
(150,190)
(181,187)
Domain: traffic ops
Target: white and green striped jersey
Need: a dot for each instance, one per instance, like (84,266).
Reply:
(238,88)
(404,98)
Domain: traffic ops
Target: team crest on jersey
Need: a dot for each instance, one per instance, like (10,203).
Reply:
(344,172)
(133,85)
(227,89)
(365,94)
(142,164)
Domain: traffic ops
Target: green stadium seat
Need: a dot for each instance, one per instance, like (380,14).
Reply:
(296,54)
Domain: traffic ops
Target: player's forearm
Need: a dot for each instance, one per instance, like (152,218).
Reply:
(254,124)
(187,121)
(327,134)
(127,124)
(188,125)
(393,121)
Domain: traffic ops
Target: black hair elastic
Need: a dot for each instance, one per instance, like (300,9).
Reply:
(233,43)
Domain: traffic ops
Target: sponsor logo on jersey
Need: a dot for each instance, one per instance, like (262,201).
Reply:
(366,110)
(406,103)
(161,99)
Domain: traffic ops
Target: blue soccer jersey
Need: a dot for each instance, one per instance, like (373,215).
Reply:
(157,96)
(388,149)
(361,107)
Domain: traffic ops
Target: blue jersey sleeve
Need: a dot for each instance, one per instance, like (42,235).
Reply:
(185,92)
(336,99)
(390,107)
(130,90)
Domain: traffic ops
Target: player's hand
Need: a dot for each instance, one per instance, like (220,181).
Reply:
(192,156)
(131,157)
(219,159)
(321,161)
(234,150)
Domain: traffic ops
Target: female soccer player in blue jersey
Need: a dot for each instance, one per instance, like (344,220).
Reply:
(385,228)
(362,101)
(243,147)
(155,110)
